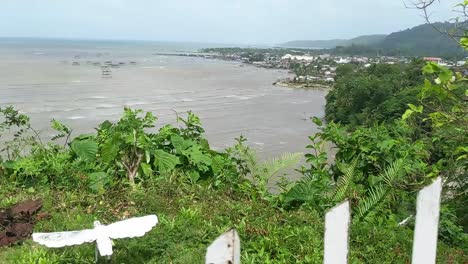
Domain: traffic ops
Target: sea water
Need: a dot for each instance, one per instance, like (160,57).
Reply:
(47,78)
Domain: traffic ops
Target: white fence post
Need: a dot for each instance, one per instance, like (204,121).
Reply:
(336,234)
(225,249)
(427,224)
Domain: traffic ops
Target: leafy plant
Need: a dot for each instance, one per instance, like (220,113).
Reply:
(390,178)
(125,143)
(24,135)
(260,172)
(98,180)
(85,149)
(64,131)
(165,162)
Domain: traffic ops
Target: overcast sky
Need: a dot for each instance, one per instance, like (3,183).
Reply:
(215,21)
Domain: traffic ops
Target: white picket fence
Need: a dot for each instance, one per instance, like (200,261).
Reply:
(226,249)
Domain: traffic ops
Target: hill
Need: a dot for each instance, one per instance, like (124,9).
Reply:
(367,40)
(332,43)
(422,40)
(317,44)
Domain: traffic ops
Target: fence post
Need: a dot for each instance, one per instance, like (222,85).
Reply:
(336,234)
(225,249)
(427,224)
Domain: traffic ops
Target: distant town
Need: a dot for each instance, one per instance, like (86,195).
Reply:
(311,68)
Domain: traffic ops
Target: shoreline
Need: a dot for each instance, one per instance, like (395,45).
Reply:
(305,86)
(280,83)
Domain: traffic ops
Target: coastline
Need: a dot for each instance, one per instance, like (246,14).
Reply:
(305,86)
(281,83)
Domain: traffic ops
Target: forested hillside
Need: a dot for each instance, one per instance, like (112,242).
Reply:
(412,42)
(329,44)
(424,40)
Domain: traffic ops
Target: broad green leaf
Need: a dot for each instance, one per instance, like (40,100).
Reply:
(445,75)
(194,176)
(417,109)
(130,138)
(427,87)
(9,164)
(205,144)
(106,125)
(56,125)
(218,164)
(197,157)
(109,151)
(98,180)
(386,144)
(146,168)
(464,41)
(85,149)
(317,121)
(165,161)
(148,156)
(407,114)
(181,144)
(430,68)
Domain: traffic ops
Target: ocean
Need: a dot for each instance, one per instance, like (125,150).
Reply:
(63,79)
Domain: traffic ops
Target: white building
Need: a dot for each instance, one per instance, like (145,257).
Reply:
(342,61)
(298,58)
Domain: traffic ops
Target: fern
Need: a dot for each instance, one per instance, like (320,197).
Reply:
(392,172)
(250,156)
(302,192)
(377,194)
(287,160)
(344,182)
(263,172)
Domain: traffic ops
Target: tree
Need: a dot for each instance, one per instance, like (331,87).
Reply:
(379,93)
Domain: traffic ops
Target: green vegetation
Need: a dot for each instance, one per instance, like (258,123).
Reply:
(197,193)
(330,44)
(392,129)
(301,69)
(249,52)
(410,42)
(414,42)
(371,95)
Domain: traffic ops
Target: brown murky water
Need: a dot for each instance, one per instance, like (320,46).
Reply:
(231,99)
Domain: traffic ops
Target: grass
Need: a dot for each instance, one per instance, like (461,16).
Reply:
(190,218)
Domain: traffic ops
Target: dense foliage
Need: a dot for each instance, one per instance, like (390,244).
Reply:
(197,193)
(330,44)
(371,95)
(252,52)
(390,130)
(411,42)
(414,42)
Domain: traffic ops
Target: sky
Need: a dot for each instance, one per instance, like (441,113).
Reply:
(210,21)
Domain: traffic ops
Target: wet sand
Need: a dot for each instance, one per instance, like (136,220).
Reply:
(231,99)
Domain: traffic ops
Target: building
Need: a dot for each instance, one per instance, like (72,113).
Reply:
(342,61)
(298,58)
(433,59)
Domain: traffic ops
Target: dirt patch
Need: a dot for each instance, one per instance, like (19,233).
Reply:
(17,222)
